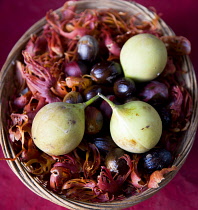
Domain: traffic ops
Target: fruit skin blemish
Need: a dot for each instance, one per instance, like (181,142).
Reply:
(58,127)
(135,126)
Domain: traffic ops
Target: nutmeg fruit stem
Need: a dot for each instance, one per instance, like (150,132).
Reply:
(90,101)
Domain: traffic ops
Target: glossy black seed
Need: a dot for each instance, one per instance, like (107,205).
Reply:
(105,72)
(88,48)
(155,159)
(155,93)
(92,91)
(76,68)
(104,144)
(124,88)
(114,163)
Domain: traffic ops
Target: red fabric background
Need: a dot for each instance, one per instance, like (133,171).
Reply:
(182,192)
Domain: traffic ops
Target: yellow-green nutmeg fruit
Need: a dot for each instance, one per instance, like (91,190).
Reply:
(143,57)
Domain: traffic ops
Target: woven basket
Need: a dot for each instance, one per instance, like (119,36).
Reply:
(9,84)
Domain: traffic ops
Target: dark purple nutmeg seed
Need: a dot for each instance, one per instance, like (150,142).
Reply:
(87,48)
(92,91)
(104,144)
(76,69)
(124,88)
(154,93)
(113,161)
(155,159)
(106,72)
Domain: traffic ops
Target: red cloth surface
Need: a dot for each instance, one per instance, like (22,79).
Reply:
(182,192)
